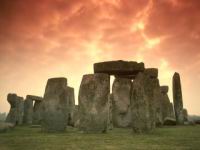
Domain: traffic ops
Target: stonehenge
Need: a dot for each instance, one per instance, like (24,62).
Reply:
(177,98)
(134,100)
(93,103)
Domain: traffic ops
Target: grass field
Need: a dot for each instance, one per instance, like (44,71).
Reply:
(166,138)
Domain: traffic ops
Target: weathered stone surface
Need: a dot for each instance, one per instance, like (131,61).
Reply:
(93,102)
(171,109)
(4,127)
(118,67)
(71,106)
(55,105)
(121,92)
(177,98)
(110,116)
(167,110)
(76,116)
(151,72)
(37,112)
(168,121)
(28,110)
(132,77)
(35,98)
(16,113)
(185,115)
(143,104)
(164,89)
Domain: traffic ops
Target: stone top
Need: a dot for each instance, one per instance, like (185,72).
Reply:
(119,67)
(33,97)
(152,72)
(164,89)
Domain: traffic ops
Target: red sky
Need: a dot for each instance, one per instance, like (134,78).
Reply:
(53,38)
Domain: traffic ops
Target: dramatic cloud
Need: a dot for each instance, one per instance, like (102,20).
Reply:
(50,38)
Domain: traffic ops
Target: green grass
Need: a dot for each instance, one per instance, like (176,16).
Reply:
(167,138)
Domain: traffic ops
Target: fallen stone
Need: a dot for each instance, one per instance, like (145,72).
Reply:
(177,98)
(4,127)
(16,113)
(121,94)
(55,105)
(119,67)
(93,103)
(168,121)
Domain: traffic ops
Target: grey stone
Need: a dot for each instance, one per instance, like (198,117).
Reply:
(16,113)
(93,103)
(37,112)
(143,104)
(71,106)
(164,89)
(185,115)
(35,98)
(177,98)
(110,116)
(151,72)
(28,110)
(121,92)
(76,116)
(168,121)
(118,67)
(55,105)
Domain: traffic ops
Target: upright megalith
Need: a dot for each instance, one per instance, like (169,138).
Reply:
(37,112)
(121,93)
(28,110)
(55,105)
(93,102)
(185,115)
(16,113)
(167,110)
(177,98)
(142,104)
(71,106)
(110,115)
(119,67)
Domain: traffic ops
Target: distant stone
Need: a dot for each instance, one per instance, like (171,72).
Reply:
(4,127)
(93,103)
(55,105)
(28,110)
(185,115)
(168,121)
(76,116)
(121,93)
(143,104)
(35,98)
(119,67)
(164,89)
(16,113)
(151,72)
(71,106)
(197,122)
(177,98)
(37,112)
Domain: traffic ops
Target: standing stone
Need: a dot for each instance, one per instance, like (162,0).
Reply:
(28,110)
(55,105)
(185,115)
(110,116)
(142,104)
(16,113)
(121,92)
(93,102)
(167,111)
(76,116)
(37,112)
(177,98)
(71,106)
